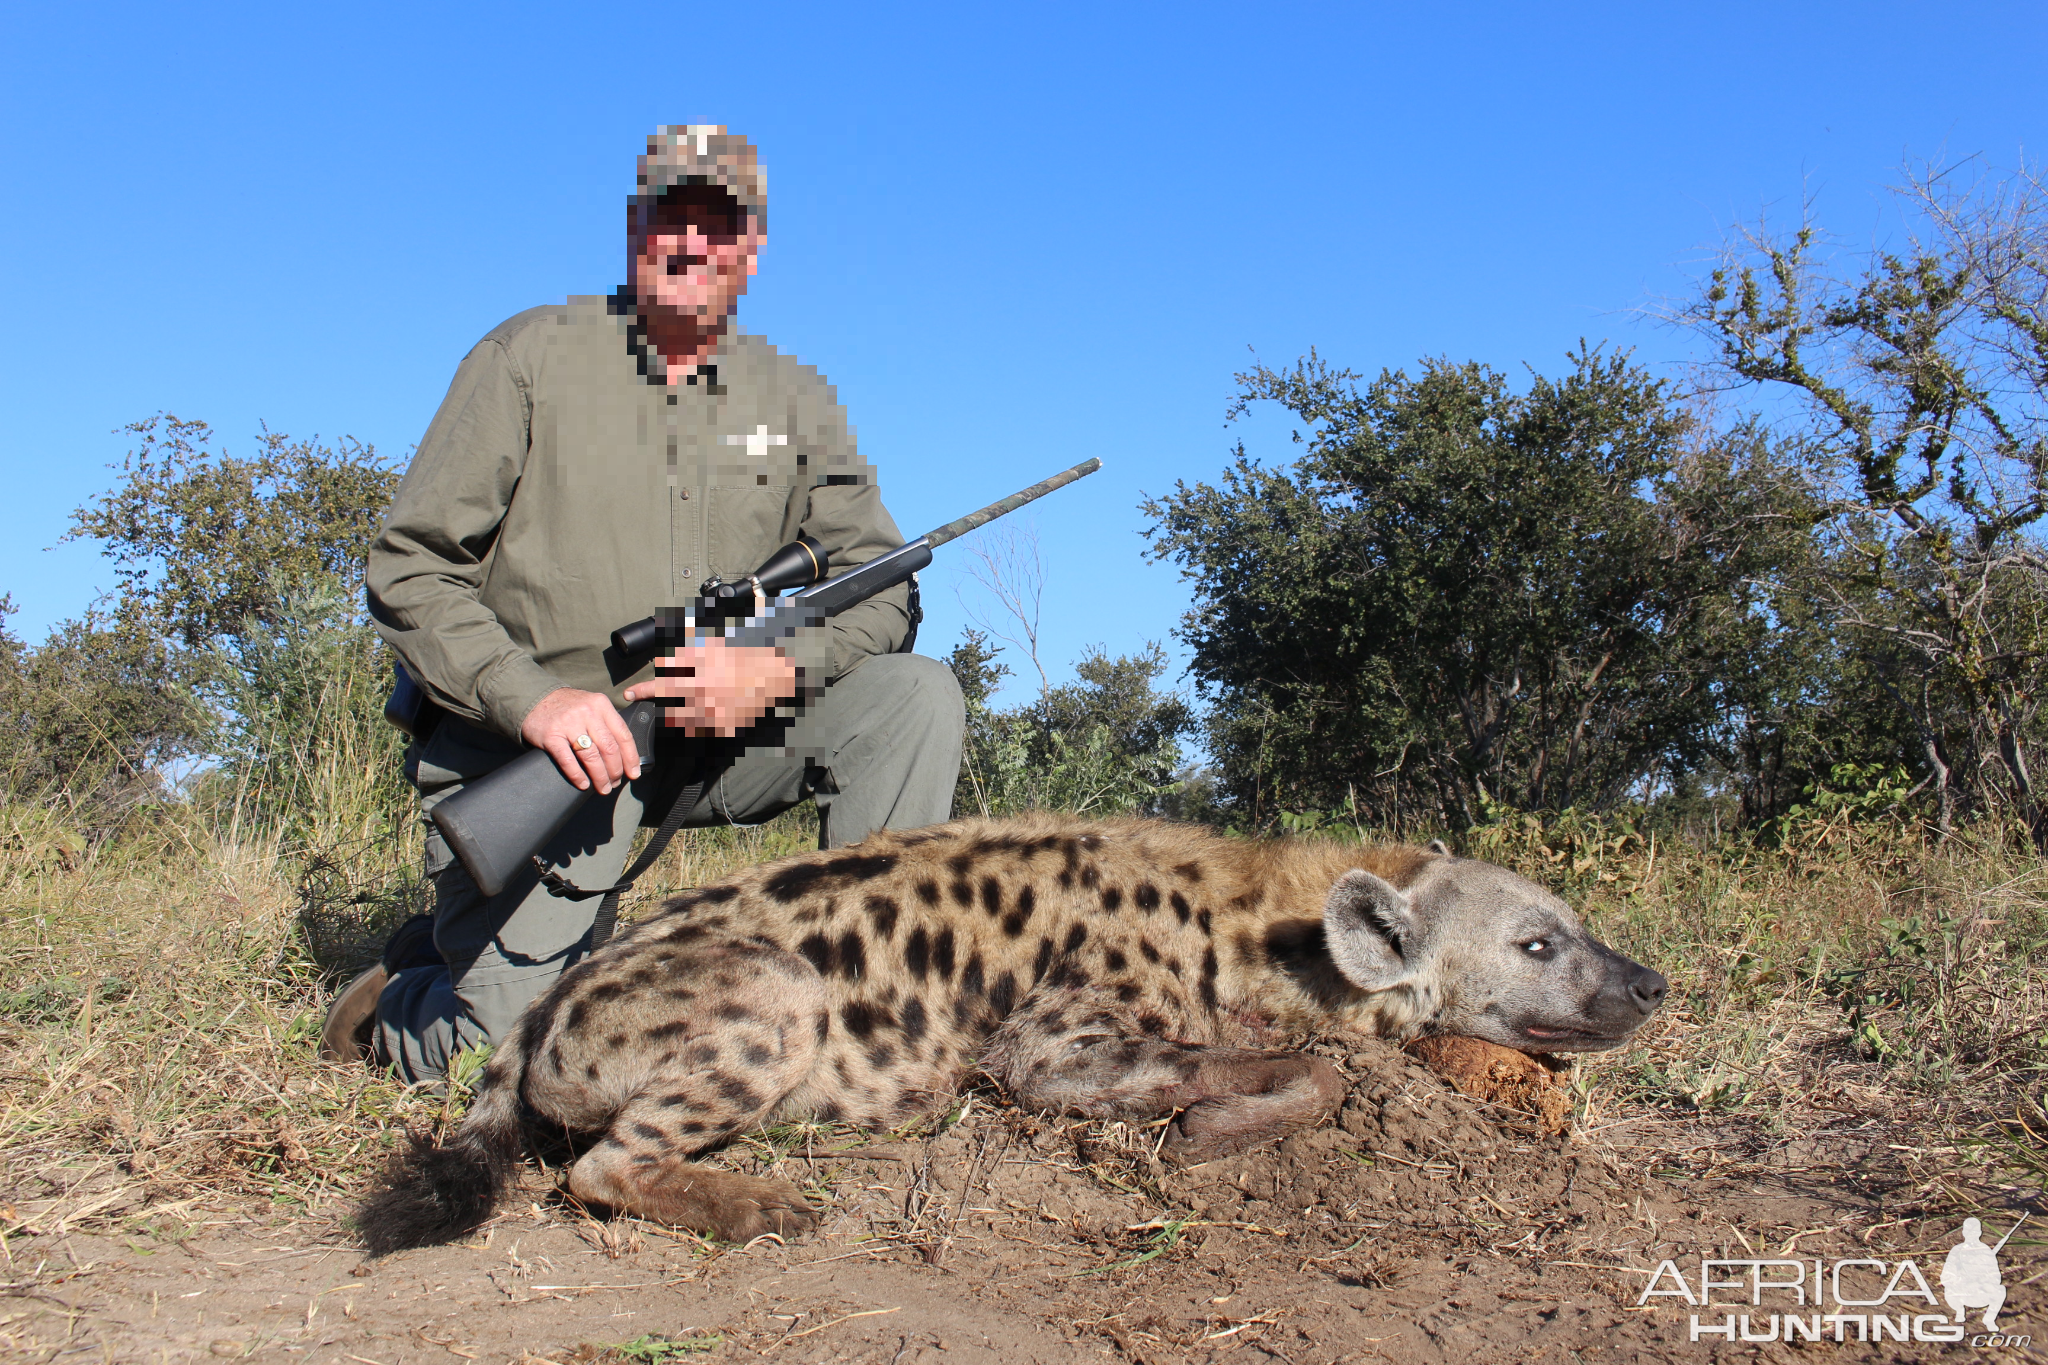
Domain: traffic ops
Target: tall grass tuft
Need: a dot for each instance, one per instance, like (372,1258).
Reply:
(309,769)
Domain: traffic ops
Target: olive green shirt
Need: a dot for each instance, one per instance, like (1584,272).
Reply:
(564,490)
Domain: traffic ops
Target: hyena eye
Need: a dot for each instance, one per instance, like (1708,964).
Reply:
(1537,947)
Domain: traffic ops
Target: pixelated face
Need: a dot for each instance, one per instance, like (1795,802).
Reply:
(692,251)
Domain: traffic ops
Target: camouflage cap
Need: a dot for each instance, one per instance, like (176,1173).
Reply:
(704,154)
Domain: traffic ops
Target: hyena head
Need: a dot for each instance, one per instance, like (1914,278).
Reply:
(1493,955)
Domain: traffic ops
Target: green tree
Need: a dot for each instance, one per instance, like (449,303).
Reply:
(1461,595)
(1119,696)
(237,629)
(204,541)
(94,712)
(978,668)
(1919,376)
(1107,743)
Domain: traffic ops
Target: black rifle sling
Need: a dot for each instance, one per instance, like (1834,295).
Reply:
(608,911)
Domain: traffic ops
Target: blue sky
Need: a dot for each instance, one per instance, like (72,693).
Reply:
(1014,237)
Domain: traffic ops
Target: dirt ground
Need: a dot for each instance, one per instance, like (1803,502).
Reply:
(1420,1225)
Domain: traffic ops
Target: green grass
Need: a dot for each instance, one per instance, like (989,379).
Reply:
(656,1349)
(1163,1239)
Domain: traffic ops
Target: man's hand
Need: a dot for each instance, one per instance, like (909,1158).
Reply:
(723,690)
(585,735)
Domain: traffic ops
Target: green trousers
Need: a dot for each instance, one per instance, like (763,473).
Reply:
(881,749)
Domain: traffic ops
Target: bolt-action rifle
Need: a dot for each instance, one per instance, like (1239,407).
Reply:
(497,823)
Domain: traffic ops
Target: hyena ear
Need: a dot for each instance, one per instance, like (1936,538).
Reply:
(1439,846)
(1370,929)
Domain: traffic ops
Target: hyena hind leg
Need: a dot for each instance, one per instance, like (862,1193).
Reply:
(750,1036)
(640,1169)
(1077,1057)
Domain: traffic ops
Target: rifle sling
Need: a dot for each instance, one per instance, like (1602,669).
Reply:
(608,912)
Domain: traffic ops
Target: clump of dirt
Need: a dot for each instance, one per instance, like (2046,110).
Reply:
(1488,1071)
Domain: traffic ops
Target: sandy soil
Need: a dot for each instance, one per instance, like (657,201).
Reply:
(1421,1225)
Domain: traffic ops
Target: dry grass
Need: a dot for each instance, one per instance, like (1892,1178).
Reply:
(160,1008)
(162,993)
(1856,989)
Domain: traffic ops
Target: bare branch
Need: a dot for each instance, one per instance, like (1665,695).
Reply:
(1005,560)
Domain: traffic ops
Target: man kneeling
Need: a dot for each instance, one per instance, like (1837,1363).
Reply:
(594,461)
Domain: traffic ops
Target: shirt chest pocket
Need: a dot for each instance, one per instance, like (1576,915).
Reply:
(747,525)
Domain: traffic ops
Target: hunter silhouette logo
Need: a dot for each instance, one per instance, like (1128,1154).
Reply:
(1970,1278)
(1802,1291)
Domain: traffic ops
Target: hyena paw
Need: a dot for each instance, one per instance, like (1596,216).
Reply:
(1252,1099)
(722,1204)
(753,1206)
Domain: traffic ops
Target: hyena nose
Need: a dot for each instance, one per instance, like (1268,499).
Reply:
(1647,988)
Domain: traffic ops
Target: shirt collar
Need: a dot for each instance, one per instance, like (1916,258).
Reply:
(652,365)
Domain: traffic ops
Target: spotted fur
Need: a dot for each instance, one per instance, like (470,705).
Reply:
(1119,969)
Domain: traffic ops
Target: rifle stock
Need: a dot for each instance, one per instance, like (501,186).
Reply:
(496,823)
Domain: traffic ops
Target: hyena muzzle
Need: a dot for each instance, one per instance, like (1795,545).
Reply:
(1125,969)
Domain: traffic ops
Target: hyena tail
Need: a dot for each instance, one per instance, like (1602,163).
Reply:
(434,1192)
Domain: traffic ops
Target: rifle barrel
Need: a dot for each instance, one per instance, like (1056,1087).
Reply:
(954,529)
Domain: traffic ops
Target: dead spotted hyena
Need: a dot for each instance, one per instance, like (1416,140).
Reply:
(1100,969)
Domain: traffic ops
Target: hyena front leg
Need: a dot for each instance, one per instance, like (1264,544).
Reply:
(669,1058)
(1069,1053)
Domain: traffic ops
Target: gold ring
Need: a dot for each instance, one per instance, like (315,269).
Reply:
(582,741)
